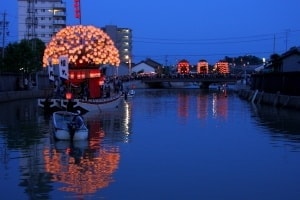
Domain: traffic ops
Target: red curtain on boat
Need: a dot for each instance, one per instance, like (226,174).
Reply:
(94,87)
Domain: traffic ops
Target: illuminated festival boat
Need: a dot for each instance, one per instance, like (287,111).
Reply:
(74,58)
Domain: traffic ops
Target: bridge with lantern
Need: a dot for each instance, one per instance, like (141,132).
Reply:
(204,81)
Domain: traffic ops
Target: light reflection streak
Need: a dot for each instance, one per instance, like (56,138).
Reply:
(87,166)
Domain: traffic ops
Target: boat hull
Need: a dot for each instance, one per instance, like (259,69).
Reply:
(84,106)
(62,134)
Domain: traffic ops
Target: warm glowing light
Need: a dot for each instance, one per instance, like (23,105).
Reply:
(183,67)
(223,67)
(68,95)
(84,45)
(202,67)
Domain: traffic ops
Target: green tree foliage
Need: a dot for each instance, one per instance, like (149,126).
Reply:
(25,56)
(276,63)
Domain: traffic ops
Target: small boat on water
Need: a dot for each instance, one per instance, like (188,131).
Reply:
(131,93)
(69,126)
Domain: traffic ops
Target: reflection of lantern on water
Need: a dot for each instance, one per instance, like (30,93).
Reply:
(92,173)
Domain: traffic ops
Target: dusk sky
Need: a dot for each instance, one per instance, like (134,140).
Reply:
(168,31)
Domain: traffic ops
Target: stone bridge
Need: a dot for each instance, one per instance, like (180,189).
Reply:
(203,81)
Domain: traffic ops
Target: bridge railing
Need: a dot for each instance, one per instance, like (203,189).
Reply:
(192,78)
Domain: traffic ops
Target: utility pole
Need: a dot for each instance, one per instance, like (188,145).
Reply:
(286,39)
(274,43)
(166,60)
(4,31)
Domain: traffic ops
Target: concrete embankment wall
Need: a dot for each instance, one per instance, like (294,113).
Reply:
(24,94)
(277,100)
(6,96)
(136,84)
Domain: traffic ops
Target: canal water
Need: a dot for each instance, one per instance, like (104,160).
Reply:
(160,144)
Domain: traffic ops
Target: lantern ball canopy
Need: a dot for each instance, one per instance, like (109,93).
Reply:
(84,45)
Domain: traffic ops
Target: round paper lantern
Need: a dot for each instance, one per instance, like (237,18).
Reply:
(84,45)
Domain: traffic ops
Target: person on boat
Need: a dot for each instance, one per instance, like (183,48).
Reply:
(75,124)
(77,120)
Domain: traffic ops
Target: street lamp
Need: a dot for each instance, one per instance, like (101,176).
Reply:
(129,64)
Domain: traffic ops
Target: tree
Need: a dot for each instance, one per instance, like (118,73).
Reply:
(244,60)
(276,62)
(25,56)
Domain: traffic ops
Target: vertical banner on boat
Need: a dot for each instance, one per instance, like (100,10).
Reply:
(50,70)
(64,67)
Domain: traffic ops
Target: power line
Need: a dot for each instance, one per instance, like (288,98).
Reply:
(209,41)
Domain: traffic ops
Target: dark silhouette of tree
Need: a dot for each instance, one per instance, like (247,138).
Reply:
(244,60)
(25,56)
(276,63)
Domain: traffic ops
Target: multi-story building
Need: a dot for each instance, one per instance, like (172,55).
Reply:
(122,37)
(44,18)
(40,18)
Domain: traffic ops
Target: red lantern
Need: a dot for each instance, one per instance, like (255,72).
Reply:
(68,95)
(101,82)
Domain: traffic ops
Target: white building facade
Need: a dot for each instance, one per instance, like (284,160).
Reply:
(40,19)
(291,60)
(122,38)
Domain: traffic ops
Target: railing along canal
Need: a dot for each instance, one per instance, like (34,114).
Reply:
(196,78)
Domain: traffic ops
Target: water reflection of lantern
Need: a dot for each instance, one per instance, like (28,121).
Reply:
(98,164)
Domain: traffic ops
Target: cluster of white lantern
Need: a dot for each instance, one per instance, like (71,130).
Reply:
(84,45)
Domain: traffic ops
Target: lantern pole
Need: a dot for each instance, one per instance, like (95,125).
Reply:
(79,12)
(77,8)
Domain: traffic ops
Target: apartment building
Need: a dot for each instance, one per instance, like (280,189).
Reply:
(122,38)
(44,18)
(40,18)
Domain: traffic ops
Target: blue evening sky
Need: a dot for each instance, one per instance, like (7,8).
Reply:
(168,31)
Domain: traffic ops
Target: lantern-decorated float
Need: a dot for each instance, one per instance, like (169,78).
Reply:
(183,67)
(75,55)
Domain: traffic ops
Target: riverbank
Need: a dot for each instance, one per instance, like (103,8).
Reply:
(34,93)
(277,99)
(244,92)
(23,94)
